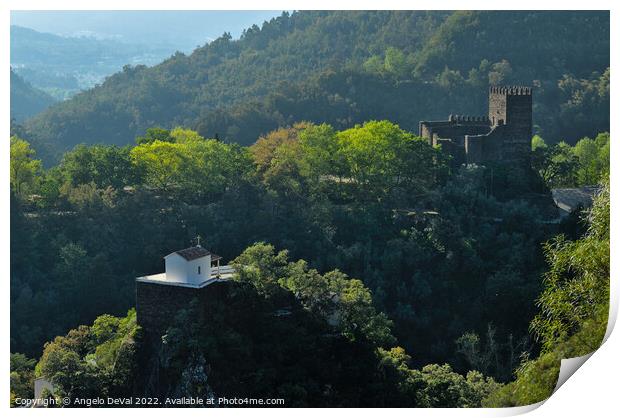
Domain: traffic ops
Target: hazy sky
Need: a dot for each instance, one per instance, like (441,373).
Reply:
(183,30)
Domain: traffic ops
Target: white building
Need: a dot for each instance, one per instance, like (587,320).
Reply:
(41,384)
(192,267)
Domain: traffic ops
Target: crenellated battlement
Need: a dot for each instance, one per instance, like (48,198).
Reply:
(504,135)
(465,118)
(511,90)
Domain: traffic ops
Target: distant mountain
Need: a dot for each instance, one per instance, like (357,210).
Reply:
(26,100)
(62,66)
(349,66)
(181,30)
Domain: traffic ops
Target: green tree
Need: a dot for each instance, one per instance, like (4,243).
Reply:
(104,165)
(24,169)
(593,156)
(537,143)
(322,152)
(22,377)
(155,134)
(374,65)
(396,63)
(380,157)
(344,303)
(160,161)
(192,167)
(435,385)
(501,73)
(443,387)
(578,279)
(209,167)
(574,308)
(182,135)
(450,79)
(561,166)
(94,361)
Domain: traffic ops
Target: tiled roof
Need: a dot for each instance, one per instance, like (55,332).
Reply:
(193,253)
(570,199)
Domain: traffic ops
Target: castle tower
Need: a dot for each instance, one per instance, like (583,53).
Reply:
(512,107)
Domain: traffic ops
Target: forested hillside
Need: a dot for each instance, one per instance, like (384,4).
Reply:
(237,346)
(406,66)
(450,264)
(574,307)
(370,269)
(402,223)
(26,100)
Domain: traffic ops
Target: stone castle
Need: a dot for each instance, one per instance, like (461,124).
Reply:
(503,136)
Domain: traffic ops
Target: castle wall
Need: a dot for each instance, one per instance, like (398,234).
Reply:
(456,151)
(520,117)
(504,136)
(517,147)
(489,147)
(474,153)
(455,128)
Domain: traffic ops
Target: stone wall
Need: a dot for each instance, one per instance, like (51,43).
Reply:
(157,304)
(480,149)
(497,108)
(504,136)
(454,128)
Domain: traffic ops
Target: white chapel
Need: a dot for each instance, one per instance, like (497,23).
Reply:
(191,267)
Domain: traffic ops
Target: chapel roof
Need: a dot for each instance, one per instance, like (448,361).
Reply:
(192,253)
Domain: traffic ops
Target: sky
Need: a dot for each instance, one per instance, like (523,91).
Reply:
(183,30)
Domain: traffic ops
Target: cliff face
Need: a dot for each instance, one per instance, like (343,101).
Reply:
(228,339)
(158,305)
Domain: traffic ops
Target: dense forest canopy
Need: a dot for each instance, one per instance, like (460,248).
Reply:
(103,359)
(229,351)
(349,67)
(434,249)
(373,201)
(574,307)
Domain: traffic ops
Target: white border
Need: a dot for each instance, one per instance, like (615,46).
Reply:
(593,391)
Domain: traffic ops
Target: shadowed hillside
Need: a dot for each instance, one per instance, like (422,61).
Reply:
(26,100)
(346,67)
